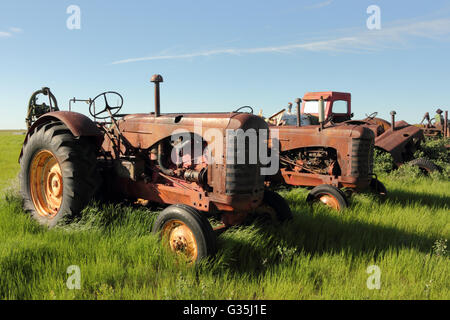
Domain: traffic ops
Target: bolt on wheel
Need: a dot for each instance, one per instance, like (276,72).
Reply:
(46,184)
(328,195)
(180,238)
(186,231)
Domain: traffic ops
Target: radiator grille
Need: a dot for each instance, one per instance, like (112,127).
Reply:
(242,178)
(362,157)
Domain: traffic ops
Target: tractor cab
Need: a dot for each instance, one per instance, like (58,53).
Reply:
(337,106)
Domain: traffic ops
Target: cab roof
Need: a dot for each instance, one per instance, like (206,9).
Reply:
(327,95)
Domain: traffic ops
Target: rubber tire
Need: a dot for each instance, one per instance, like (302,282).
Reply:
(426,165)
(326,189)
(77,159)
(198,223)
(377,187)
(278,203)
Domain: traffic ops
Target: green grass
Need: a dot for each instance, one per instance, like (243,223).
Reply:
(321,254)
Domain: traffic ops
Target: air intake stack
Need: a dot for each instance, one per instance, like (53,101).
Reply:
(156,79)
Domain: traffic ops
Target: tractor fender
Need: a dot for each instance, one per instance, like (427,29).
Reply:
(78,124)
(396,142)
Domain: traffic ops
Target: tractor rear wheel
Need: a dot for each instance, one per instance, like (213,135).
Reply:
(328,195)
(58,175)
(186,231)
(425,165)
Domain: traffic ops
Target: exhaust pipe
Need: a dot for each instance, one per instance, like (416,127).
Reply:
(299,120)
(393,113)
(321,112)
(446,125)
(156,79)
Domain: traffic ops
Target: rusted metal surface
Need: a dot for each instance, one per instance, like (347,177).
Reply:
(157,79)
(180,239)
(434,130)
(398,138)
(298,101)
(135,158)
(145,131)
(339,151)
(401,143)
(393,113)
(329,97)
(339,154)
(446,124)
(78,124)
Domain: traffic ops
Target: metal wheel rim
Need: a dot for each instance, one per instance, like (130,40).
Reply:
(180,239)
(46,184)
(329,201)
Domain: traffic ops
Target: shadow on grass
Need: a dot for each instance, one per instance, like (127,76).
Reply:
(430,200)
(252,249)
(314,235)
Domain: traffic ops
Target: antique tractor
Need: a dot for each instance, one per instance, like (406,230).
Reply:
(186,162)
(433,128)
(398,138)
(324,155)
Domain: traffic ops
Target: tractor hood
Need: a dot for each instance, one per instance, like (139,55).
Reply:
(144,130)
(293,137)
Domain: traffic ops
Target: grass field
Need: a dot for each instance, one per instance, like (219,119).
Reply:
(321,254)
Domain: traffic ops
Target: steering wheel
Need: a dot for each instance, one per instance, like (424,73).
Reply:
(371,116)
(105,105)
(248,107)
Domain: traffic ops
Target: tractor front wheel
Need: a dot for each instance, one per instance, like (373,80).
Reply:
(328,195)
(186,231)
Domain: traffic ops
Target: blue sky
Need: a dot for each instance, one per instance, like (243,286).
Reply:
(219,55)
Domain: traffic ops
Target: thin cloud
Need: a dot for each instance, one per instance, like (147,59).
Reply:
(320,5)
(362,41)
(16,30)
(8,34)
(4,34)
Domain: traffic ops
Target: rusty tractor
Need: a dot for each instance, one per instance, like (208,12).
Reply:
(398,138)
(436,127)
(158,158)
(324,155)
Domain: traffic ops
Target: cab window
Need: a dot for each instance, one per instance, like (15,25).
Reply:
(340,106)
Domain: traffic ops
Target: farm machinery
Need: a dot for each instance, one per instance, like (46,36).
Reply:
(397,138)
(326,156)
(185,162)
(434,127)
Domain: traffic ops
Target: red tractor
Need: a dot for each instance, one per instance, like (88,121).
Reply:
(176,160)
(398,138)
(325,155)
(321,147)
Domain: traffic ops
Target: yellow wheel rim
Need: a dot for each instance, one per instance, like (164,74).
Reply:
(46,184)
(330,201)
(180,239)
